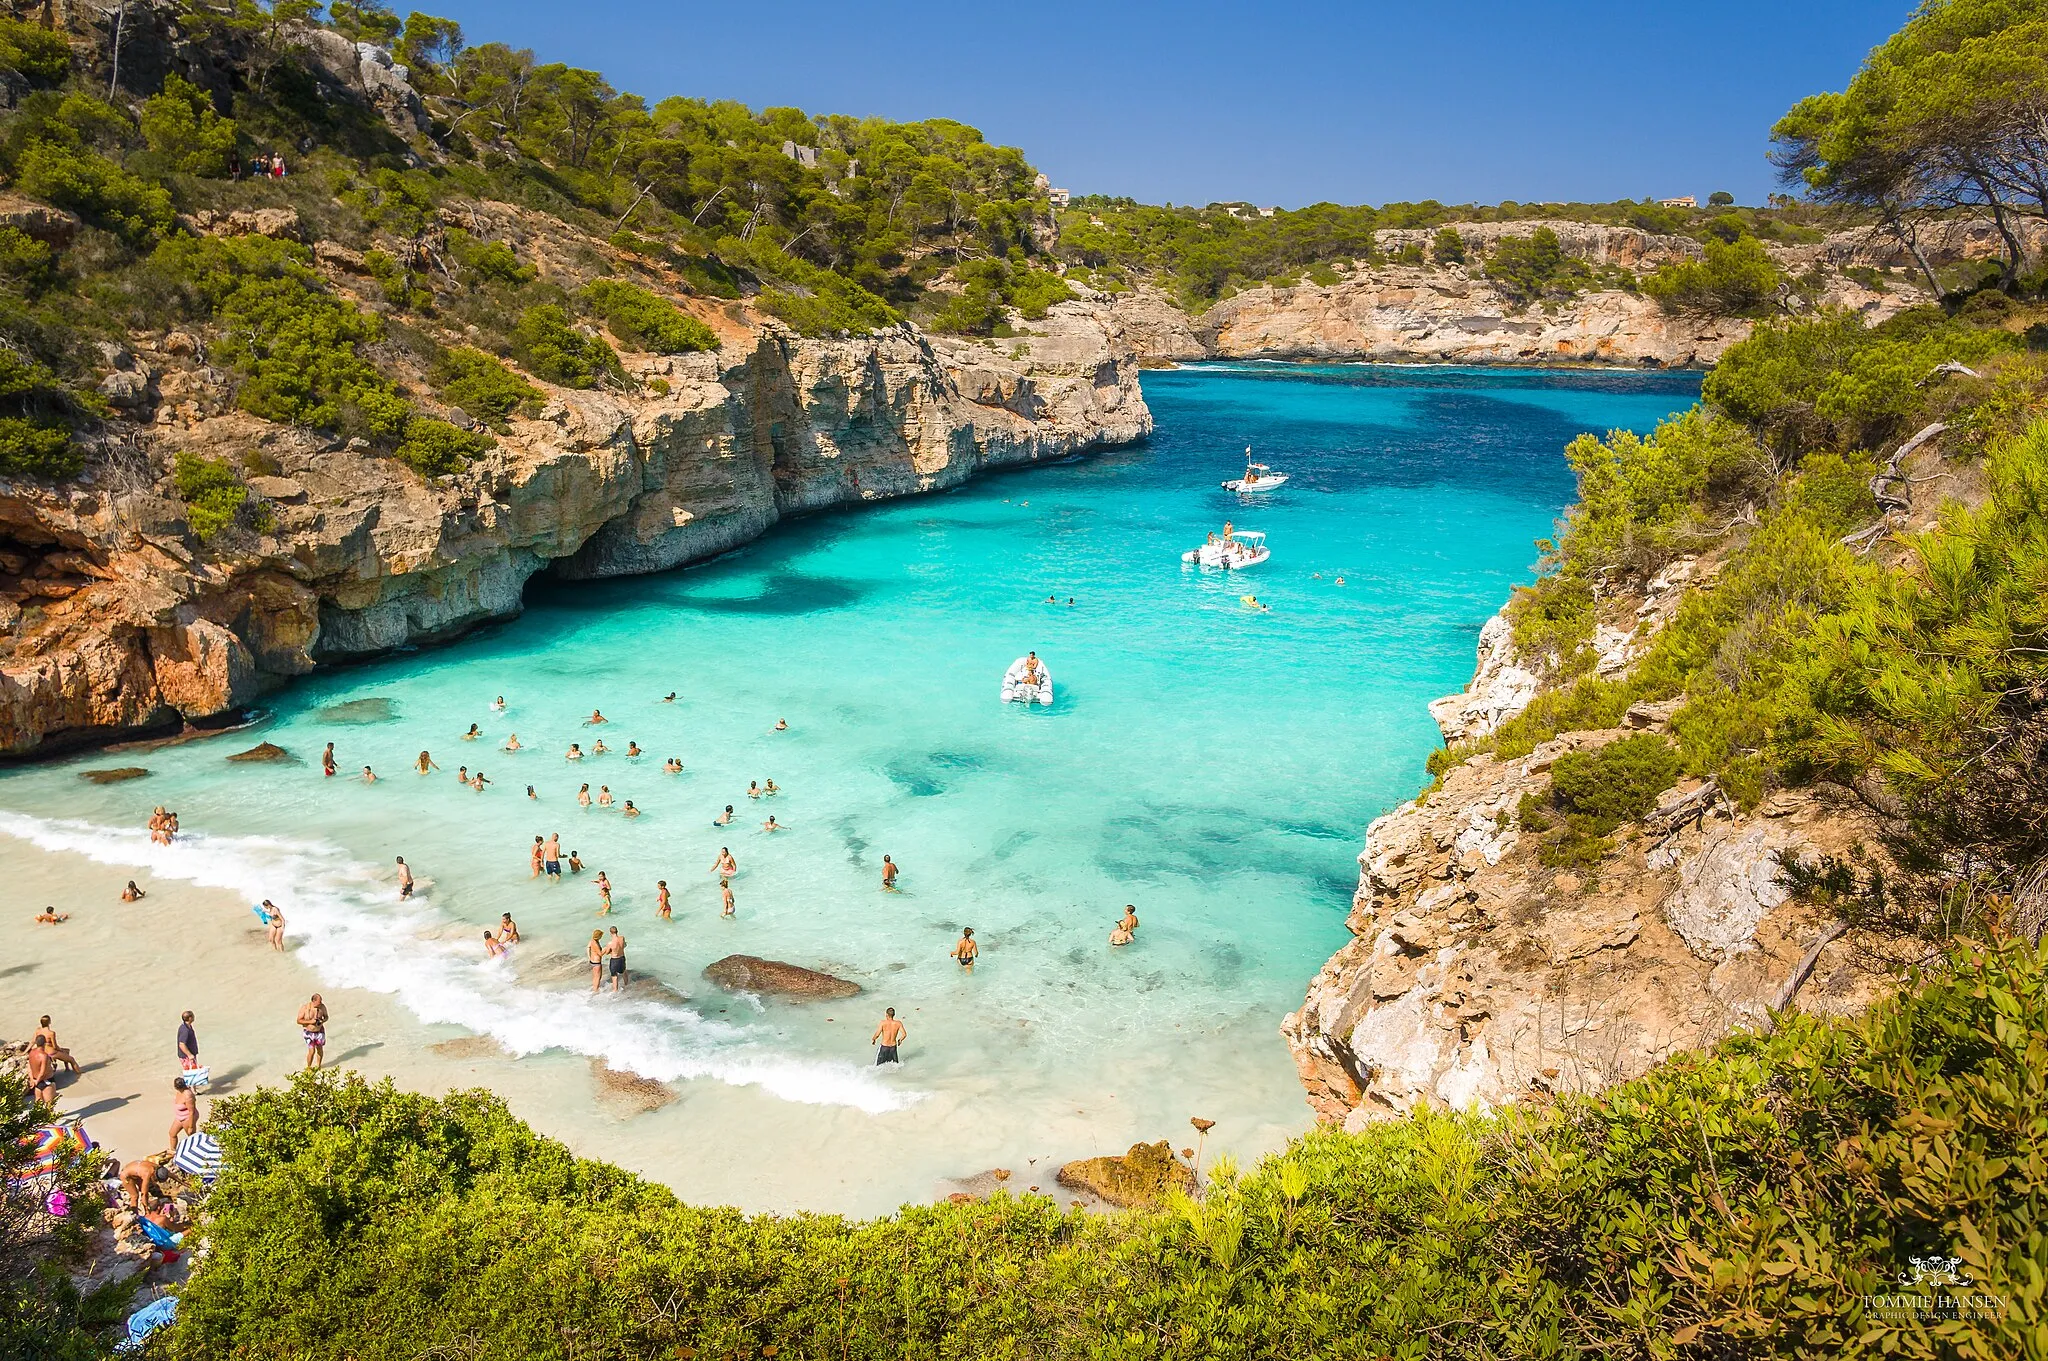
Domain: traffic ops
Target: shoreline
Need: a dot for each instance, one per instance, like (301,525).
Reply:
(192,946)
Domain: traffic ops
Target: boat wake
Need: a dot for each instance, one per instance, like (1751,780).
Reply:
(346,927)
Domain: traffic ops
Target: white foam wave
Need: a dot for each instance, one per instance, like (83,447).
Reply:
(346,924)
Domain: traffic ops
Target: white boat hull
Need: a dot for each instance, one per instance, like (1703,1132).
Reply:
(1266,483)
(1017,689)
(1226,556)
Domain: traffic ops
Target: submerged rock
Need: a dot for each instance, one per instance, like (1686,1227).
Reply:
(1143,1176)
(749,973)
(375,709)
(262,751)
(113,776)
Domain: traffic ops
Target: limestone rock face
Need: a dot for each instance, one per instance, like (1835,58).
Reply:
(1477,975)
(113,620)
(749,973)
(1501,687)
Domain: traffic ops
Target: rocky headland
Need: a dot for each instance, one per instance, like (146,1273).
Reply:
(119,622)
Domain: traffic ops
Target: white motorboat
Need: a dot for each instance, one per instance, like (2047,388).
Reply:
(1257,477)
(1242,548)
(1027,680)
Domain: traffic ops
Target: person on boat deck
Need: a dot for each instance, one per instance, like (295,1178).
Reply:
(1251,475)
(1211,539)
(1226,533)
(1031,667)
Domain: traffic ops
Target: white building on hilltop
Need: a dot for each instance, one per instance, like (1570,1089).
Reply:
(1059,197)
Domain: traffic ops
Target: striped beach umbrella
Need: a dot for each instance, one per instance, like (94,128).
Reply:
(48,1146)
(199,1155)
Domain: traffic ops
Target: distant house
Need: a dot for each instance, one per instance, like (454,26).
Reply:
(805,156)
(1267,212)
(1059,197)
(1686,201)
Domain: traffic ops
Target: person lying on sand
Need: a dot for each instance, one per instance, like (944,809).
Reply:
(52,916)
(132,894)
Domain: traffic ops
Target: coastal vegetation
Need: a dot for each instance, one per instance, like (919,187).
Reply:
(1767,1197)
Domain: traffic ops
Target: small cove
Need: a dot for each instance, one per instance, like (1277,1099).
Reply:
(1212,765)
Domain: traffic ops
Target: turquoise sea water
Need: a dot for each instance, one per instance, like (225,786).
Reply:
(1213,765)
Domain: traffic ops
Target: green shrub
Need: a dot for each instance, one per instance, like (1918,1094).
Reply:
(296,345)
(1532,268)
(489,261)
(553,350)
(1616,783)
(181,126)
(400,285)
(212,491)
(39,55)
(977,311)
(1737,278)
(432,448)
(95,188)
(25,260)
(646,322)
(31,448)
(1447,247)
(401,202)
(1751,1201)
(484,388)
(1034,291)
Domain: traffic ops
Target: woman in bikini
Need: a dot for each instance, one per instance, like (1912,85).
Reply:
(604,895)
(661,905)
(425,764)
(725,867)
(473,733)
(594,952)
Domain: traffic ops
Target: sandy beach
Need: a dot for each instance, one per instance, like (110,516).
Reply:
(116,975)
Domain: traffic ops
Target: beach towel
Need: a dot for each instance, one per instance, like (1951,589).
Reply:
(198,1155)
(147,1320)
(158,1234)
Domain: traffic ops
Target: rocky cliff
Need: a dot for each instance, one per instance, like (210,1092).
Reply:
(1478,975)
(1451,314)
(118,621)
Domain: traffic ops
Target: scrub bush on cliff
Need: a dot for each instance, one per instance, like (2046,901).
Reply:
(1736,279)
(182,127)
(646,322)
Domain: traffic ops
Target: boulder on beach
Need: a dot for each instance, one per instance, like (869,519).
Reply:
(262,751)
(748,973)
(115,775)
(1142,1176)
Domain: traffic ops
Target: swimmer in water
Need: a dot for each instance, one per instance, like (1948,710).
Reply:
(473,733)
(661,903)
(531,795)
(425,764)
(575,752)
(598,748)
(604,796)
(673,766)
(669,698)
(368,776)
(771,825)
(596,716)
(575,862)
(633,751)
(629,810)
(462,774)
(1251,602)
(725,867)
(492,950)
(52,916)
(583,796)
(782,725)
(1340,581)
(725,896)
(477,782)
(770,789)
(512,742)
(965,949)
(723,818)
(753,789)
(508,930)
(499,704)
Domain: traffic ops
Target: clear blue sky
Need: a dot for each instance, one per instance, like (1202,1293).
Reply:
(1285,102)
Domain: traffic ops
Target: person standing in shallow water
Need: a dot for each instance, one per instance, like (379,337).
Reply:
(312,1023)
(965,949)
(404,880)
(327,760)
(887,1036)
(594,952)
(888,875)
(615,959)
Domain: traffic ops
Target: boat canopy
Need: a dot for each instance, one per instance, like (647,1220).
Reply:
(1251,536)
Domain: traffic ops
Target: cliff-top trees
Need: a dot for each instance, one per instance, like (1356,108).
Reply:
(1952,112)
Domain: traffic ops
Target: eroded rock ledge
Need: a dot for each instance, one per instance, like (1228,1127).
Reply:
(1479,976)
(118,622)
